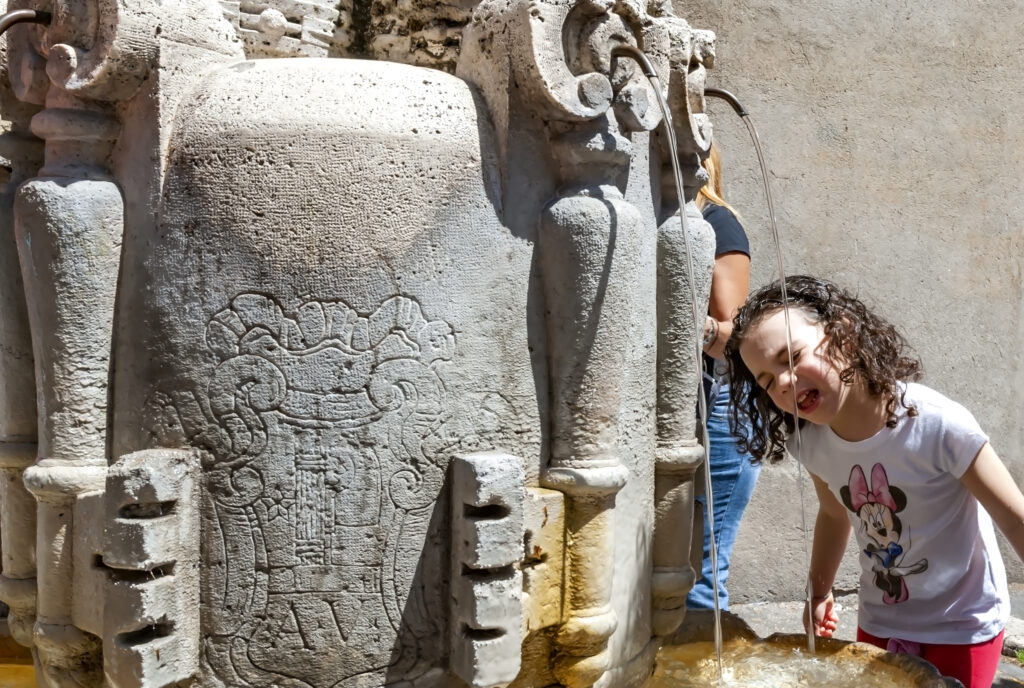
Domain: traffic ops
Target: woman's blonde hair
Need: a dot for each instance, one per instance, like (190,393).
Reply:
(712,191)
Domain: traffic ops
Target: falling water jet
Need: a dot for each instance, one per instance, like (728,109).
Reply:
(652,76)
(745,116)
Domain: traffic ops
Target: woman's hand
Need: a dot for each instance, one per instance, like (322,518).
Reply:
(824,614)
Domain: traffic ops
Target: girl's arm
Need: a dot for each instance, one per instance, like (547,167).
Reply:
(831,533)
(991,483)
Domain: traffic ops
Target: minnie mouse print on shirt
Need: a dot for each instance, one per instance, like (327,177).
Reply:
(876,506)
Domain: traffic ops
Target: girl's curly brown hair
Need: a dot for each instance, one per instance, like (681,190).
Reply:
(870,348)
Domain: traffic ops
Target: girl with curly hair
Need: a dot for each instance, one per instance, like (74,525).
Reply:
(909,470)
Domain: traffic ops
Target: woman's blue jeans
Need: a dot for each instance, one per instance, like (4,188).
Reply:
(733,477)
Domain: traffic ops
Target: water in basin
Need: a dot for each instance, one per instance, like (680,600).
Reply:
(17,676)
(761,665)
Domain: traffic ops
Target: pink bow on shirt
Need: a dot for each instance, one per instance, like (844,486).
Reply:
(861,495)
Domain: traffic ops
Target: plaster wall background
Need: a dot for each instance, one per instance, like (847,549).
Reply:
(896,154)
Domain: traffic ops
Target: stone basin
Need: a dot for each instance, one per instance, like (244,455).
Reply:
(690,652)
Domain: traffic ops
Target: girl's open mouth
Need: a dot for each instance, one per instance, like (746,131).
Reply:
(807,400)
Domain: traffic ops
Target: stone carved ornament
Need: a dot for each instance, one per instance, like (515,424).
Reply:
(318,546)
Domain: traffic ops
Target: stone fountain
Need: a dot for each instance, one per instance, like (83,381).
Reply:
(347,372)
(340,373)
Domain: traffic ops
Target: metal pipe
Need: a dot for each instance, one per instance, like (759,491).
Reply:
(727,97)
(638,55)
(22,16)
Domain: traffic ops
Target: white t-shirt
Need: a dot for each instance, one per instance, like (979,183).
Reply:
(931,571)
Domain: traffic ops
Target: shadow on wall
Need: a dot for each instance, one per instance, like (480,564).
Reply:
(421,645)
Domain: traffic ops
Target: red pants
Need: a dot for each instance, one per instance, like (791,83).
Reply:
(973,665)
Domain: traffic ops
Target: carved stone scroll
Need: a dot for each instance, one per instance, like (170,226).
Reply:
(691,54)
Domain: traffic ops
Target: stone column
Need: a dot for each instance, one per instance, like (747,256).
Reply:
(583,233)
(69,223)
(597,255)
(85,68)
(24,154)
(68,227)
(17,525)
(678,454)
(595,248)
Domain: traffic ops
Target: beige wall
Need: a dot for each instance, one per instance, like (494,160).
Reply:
(896,150)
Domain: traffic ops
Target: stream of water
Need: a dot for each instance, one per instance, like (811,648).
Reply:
(698,320)
(798,440)
(698,323)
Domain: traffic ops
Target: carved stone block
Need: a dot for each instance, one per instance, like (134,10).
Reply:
(489,488)
(329,371)
(148,496)
(151,612)
(284,28)
(493,600)
(89,573)
(487,536)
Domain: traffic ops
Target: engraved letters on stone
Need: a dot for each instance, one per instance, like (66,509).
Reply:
(312,548)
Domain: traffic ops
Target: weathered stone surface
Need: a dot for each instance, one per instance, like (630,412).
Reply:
(329,376)
(426,33)
(544,541)
(288,28)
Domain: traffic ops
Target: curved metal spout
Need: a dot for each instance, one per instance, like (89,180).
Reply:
(22,16)
(638,55)
(729,98)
